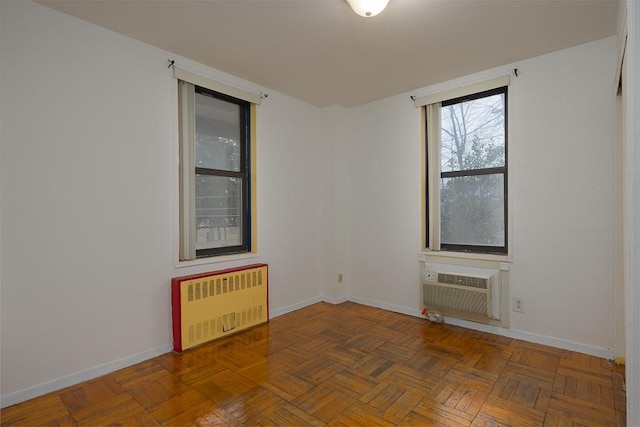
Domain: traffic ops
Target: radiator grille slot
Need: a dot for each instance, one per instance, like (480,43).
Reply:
(211,287)
(212,305)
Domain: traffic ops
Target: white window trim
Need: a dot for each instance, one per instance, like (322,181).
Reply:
(217,86)
(464,256)
(459,91)
(187,177)
(217,259)
(433,150)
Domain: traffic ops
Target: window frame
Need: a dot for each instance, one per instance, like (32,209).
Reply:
(432,148)
(244,174)
(188,170)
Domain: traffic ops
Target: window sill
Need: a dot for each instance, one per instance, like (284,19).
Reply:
(422,256)
(217,259)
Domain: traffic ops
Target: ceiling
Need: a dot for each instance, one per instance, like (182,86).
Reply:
(321,52)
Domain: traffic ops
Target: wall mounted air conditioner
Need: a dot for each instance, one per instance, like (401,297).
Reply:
(466,292)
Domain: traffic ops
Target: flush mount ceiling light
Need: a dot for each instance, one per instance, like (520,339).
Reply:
(368,8)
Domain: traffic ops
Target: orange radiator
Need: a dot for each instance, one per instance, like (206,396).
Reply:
(212,305)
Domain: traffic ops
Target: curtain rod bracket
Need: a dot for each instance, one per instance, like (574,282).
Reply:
(171,62)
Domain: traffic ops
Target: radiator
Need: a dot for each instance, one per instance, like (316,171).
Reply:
(215,304)
(470,293)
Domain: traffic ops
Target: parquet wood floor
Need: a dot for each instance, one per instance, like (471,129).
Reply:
(346,365)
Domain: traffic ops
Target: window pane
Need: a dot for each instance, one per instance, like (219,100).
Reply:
(218,211)
(472,210)
(473,134)
(217,134)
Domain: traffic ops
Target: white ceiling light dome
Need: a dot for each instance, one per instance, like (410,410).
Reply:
(368,8)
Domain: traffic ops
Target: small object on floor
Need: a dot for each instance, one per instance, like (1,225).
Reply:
(432,315)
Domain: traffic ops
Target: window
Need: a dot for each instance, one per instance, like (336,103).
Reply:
(466,173)
(215,173)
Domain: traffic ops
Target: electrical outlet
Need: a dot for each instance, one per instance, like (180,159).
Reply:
(339,277)
(517,304)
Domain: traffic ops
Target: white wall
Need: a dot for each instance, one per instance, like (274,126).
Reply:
(562,177)
(385,203)
(618,253)
(335,209)
(289,200)
(563,188)
(89,200)
(631,92)
(620,168)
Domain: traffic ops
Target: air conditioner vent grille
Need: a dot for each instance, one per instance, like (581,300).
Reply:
(467,281)
(457,299)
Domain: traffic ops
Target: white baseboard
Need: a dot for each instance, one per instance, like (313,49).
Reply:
(91,373)
(592,350)
(386,306)
(78,377)
(293,307)
(96,371)
(335,301)
(288,309)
